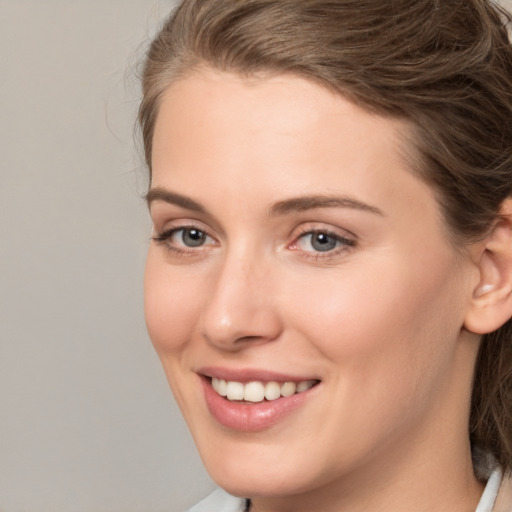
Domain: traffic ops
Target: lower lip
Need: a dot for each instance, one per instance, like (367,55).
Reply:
(251,417)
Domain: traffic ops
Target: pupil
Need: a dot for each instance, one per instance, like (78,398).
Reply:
(323,242)
(193,237)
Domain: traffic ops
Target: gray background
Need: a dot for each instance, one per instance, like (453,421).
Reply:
(87,422)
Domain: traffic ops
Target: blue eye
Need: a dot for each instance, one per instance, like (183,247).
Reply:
(191,237)
(188,237)
(322,241)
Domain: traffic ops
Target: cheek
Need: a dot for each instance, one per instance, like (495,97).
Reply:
(170,306)
(171,311)
(388,338)
(391,322)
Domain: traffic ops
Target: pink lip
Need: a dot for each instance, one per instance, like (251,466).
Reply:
(246,417)
(249,374)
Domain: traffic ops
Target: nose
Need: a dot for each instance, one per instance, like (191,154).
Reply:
(241,308)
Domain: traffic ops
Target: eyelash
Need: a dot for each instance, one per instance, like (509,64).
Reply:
(343,243)
(164,237)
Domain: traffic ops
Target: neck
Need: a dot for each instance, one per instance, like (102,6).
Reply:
(401,484)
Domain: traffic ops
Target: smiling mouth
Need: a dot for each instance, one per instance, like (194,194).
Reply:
(259,391)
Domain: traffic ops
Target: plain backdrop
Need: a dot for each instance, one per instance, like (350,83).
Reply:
(87,423)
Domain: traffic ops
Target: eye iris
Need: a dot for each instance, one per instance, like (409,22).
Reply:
(323,242)
(193,237)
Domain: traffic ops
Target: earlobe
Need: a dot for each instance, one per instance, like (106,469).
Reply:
(491,303)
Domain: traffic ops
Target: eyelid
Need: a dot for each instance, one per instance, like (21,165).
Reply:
(163,236)
(166,225)
(164,214)
(319,227)
(167,233)
(348,240)
(345,239)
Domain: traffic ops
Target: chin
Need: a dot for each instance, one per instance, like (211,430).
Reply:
(261,483)
(258,470)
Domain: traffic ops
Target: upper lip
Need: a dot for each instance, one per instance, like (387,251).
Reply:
(251,374)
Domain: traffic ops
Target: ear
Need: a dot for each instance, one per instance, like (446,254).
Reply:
(491,303)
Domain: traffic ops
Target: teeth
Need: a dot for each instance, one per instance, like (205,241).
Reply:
(220,386)
(272,391)
(288,388)
(257,391)
(254,392)
(305,385)
(223,388)
(235,390)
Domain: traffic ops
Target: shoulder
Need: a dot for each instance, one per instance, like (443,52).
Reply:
(219,501)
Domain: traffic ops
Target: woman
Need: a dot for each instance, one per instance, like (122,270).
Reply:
(329,281)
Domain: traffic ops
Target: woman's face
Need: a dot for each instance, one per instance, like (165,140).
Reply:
(295,250)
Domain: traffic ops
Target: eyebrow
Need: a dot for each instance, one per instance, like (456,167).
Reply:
(298,204)
(161,194)
(295,204)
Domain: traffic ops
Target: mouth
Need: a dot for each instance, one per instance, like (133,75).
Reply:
(258,391)
(250,401)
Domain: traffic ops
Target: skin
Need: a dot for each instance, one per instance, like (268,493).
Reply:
(379,319)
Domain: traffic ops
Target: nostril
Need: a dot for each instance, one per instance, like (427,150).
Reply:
(250,339)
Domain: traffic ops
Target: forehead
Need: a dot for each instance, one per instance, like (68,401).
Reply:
(262,120)
(251,137)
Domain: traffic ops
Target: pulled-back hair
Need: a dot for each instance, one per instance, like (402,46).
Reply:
(445,66)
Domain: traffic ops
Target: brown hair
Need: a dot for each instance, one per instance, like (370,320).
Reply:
(443,65)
